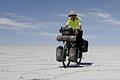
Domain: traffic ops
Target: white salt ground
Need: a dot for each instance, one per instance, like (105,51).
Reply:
(38,63)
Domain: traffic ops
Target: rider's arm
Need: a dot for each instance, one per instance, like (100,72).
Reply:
(67,23)
(80,25)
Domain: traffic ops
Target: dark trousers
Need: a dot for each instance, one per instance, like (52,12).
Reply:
(79,39)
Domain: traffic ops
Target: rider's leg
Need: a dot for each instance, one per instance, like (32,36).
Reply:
(79,39)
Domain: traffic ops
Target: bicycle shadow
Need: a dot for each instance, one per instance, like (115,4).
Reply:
(85,64)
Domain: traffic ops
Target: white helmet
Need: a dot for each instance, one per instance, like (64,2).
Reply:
(71,13)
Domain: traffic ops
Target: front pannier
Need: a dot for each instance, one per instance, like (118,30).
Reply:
(59,54)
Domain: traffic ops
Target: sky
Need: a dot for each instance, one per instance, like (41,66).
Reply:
(37,22)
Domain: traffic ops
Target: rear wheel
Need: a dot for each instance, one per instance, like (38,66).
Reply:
(79,57)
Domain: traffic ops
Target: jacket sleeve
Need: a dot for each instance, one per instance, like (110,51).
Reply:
(79,21)
(68,22)
(80,24)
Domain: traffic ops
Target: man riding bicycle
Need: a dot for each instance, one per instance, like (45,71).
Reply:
(74,44)
(74,22)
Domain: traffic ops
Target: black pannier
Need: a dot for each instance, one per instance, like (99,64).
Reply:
(59,54)
(85,46)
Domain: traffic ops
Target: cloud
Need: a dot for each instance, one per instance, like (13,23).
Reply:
(6,22)
(62,15)
(12,21)
(42,34)
(48,34)
(66,15)
(28,27)
(15,16)
(105,17)
(112,21)
(9,13)
(91,36)
(100,14)
(82,14)
(48,24)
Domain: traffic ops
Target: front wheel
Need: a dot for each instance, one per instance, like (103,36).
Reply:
(65,62)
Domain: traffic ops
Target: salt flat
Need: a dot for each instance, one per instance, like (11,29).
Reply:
(38,63)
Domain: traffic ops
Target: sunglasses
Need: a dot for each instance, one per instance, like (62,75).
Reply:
(72,15)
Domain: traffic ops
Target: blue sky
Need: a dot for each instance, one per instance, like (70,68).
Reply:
(36,22)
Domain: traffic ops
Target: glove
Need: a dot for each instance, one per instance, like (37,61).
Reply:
(61,30)
(77,31)
(71,30)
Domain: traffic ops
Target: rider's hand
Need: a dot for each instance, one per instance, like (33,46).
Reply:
(76,32)
(61,29)
(71,30)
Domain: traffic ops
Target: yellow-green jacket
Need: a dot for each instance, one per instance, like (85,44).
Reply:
(76,24)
